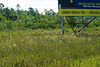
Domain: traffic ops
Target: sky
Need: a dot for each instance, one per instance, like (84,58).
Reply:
(25,4)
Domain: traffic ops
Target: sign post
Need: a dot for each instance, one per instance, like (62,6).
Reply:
(62,25)
(82,26)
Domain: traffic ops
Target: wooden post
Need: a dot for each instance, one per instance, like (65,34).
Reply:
(82,26)
(62,25)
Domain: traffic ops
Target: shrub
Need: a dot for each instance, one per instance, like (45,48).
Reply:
(13,17)
(7,25)
(2,18)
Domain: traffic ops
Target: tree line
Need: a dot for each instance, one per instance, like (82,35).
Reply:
(27,19)
(11,19)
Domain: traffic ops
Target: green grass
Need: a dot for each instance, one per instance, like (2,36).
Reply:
(49,48)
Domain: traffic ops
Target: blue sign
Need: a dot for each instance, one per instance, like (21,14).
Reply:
(87,4)
(79,4)
(79,7)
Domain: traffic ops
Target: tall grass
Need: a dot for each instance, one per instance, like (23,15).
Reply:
(48,48)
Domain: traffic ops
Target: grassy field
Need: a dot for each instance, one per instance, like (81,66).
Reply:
(48,48)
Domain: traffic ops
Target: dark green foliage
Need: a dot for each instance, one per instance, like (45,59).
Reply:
(73,21)
(98,65)
(32,19)
(6,13)
(7,25)
(2,18)
(13,17)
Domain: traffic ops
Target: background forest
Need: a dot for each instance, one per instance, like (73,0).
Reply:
(11,19)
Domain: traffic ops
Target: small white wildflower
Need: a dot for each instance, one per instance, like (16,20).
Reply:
(56,33)
(60,41)
(72,35)
(10,37)
(54,60)
(41,39)
(65,57)
(89,39)
(48,36)
(28,36)
(10,46)
(14,44)
(69,41)
(30,40)
(32,55)
(82,38)
(42,33)
(22,40)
